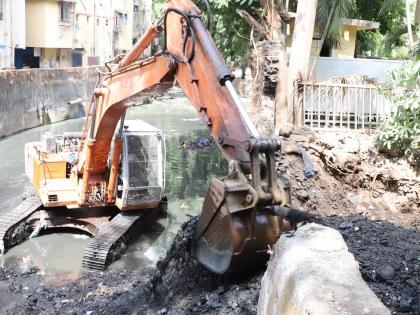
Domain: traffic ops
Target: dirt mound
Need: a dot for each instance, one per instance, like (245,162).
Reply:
(372,200)
(389,258)
(183,286)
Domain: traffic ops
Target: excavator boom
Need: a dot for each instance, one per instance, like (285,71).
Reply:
(233,232)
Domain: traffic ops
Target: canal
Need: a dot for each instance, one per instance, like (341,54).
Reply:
(188,173)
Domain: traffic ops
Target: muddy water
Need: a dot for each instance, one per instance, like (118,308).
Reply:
(187,177)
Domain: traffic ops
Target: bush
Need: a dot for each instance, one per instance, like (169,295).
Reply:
(399,134)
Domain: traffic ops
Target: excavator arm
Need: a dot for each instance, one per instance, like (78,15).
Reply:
(232,230)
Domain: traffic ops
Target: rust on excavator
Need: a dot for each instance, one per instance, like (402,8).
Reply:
(89,177)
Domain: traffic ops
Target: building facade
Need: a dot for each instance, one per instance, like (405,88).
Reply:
(68,33)
(346,44)
(12,31)
(142,18)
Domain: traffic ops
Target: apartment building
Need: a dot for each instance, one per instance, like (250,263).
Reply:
(103,29)
(12,30)
(68,33)
(142,17)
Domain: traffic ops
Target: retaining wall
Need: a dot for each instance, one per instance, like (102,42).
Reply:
(33,97)
(378,69)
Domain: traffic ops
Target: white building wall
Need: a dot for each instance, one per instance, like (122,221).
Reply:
(12,31)
(18,23)
(378,69)
(93,29)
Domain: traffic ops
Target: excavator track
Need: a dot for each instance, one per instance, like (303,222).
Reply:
(111,241)
(14,228)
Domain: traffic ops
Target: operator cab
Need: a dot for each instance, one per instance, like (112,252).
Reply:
(141,181)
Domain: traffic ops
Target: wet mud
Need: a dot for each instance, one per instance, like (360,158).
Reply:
(383,236)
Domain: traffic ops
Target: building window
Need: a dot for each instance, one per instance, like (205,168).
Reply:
(1,10)
(65,10)
(118,21)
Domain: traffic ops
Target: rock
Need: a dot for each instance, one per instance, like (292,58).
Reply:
(358,218)
(405,303)
(286,131)
(302,195)
(314,273)
(308,133)
(394,151)
(345,226)
(299,138)
(386,273)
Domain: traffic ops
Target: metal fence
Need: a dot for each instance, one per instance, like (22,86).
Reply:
(340,106)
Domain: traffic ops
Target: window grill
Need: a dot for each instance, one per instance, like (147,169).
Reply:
(1,9)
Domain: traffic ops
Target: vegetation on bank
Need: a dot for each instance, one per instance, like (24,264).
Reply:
(233,35)
(400,132)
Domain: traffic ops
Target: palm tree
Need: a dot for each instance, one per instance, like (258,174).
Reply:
(330,15)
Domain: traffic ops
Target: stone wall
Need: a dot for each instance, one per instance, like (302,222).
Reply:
(33,97)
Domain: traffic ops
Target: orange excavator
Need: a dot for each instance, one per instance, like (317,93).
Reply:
(100,180)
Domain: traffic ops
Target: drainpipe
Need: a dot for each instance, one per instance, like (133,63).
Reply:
(12,44)
(94,28)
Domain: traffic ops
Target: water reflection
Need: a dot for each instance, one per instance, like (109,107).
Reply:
(188,173)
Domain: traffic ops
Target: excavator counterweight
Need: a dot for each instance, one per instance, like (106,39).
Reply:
(103,182)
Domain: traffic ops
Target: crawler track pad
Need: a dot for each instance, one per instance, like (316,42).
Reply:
(111,240)
(14,227)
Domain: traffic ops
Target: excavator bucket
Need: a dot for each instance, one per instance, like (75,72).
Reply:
(231,233)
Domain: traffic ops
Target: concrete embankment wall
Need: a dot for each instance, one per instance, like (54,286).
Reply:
(33,97)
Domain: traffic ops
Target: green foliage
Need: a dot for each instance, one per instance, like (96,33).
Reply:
(230,33)
(157,8)
(391,38)
(402,126)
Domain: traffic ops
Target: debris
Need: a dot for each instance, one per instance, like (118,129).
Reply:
(302,194)
(41,224)
(386,273)
(345,225)
(200,143)
(309,169)
(405,303)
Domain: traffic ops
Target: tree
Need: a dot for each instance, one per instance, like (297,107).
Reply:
(267,20)
(300,53)
(417,15)
(329,21)
(408,22)
(392,39)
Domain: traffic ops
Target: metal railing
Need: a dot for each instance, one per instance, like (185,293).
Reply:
(341,106)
